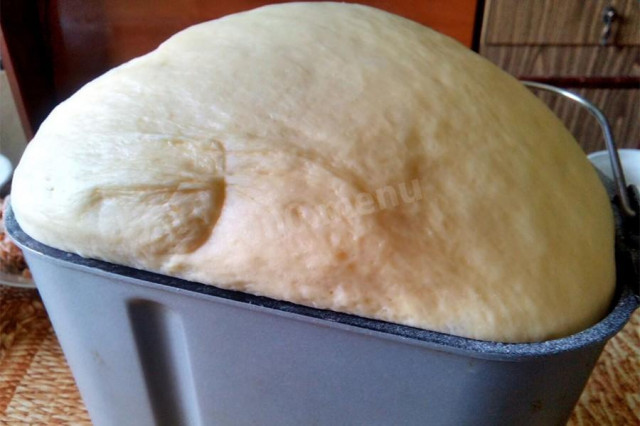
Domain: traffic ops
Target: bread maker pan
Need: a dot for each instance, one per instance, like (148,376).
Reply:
(147,349)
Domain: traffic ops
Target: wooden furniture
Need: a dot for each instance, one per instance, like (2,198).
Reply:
(562,43)
(52,47)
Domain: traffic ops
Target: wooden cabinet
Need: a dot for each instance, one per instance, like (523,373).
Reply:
(560,43)
(560,22)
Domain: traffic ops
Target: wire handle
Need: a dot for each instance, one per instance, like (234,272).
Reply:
(616,167)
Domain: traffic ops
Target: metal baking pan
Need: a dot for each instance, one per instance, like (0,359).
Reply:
(147,349)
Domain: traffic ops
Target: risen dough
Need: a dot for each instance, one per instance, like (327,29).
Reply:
(335,156)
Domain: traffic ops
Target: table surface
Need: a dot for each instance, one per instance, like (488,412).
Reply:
(36,386)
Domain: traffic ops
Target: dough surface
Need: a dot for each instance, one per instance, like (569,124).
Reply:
(335,156)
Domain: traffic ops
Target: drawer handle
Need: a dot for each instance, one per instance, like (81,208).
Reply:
(609,15)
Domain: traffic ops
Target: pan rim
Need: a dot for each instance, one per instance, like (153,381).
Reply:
(623,305)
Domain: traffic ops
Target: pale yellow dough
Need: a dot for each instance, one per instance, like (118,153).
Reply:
(263,151)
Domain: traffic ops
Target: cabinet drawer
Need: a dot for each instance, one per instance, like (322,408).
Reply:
(620,106)
(566,61)
(559,22)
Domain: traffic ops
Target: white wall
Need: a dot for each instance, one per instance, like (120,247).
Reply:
(12,138)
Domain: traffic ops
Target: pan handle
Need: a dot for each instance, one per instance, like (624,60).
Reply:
(616,167)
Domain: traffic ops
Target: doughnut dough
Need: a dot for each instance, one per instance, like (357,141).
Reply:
(334,156)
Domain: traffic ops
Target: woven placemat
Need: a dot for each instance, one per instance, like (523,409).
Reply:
(36,386)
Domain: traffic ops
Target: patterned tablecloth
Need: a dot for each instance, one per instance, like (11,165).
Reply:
(36,386)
